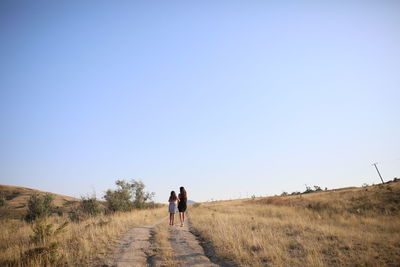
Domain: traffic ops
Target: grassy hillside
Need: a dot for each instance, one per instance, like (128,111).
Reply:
(346,227)
(16,201)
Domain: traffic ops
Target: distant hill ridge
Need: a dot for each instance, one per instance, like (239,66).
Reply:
(16,200)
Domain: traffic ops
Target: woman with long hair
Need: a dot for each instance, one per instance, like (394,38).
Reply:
(172,207)
(182,205)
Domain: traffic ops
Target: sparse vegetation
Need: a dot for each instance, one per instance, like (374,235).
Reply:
(316,189)
(347,227)
(44,239)
(85,243)
(344,227)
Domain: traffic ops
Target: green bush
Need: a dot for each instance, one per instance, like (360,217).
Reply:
(76,215)
(39,206)
(12,195)
(2,200)
(90,206)
(127,196)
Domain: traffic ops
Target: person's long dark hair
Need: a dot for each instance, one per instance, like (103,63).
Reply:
(172,197)
(183,192)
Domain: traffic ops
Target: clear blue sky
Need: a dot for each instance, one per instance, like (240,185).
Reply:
(227,98)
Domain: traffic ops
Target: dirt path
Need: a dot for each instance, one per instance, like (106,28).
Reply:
(134,247)
(187,249)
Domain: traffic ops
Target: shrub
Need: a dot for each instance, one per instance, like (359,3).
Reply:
(2,200)
(39,206)
(90,206)
(76,215)
(120,199)
(47,252)
(308,190)
(127,196)
(42,256)
(317,188)
(58,210)
(13,195)
(43,232)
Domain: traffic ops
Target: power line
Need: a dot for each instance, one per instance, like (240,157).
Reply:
(378,171)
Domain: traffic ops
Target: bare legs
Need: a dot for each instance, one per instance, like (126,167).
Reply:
(171,218)
(182,218)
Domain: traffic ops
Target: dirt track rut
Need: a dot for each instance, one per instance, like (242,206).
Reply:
(134,247)
(187,249)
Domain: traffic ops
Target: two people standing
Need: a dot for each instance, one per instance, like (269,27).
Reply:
(182,205)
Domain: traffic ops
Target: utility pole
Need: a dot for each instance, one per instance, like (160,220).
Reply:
(378,171)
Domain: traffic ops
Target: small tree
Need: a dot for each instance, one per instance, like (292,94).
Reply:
(120,199)
(127,196)
(39,206)
(141,197)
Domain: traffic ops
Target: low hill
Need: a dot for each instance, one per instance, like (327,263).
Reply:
(354,226)
(381,199)
(15,200)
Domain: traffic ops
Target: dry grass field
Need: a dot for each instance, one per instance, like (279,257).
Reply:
(344,227)
(347,227)
(85,243)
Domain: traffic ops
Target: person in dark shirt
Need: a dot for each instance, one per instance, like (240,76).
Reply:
(182,204)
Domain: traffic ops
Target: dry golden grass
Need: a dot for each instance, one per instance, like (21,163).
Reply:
(164,253)
(350,227)
(86,243)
